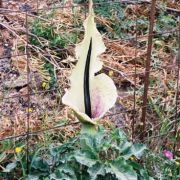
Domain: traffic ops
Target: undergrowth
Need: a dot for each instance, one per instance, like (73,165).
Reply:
(107,155)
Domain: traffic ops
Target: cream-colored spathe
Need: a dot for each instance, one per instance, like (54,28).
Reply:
(102,89)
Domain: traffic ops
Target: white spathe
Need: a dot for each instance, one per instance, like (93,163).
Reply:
(103,92)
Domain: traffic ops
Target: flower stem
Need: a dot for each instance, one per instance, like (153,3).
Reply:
(88,129)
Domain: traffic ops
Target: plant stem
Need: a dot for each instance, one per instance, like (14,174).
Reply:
(88,128)
(22,165)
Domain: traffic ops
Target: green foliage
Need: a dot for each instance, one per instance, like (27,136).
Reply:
(165,21)
(163,114)
(50,69)
(124,25)
(105,155)
(161,167)
(115,13)
(48,34)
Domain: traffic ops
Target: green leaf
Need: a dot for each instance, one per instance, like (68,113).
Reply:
(85,158)
(32,177)
(125,147)
(95,170)
(129,149)
(121,170)
(40,164)
(122,176)
(138,149)
(118,134)
(88,128)
(2,156)
(10,167)
(67,146)
(142,173)
(64,173)
(87,142)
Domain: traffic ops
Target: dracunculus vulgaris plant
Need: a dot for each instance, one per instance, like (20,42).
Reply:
(90,96)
